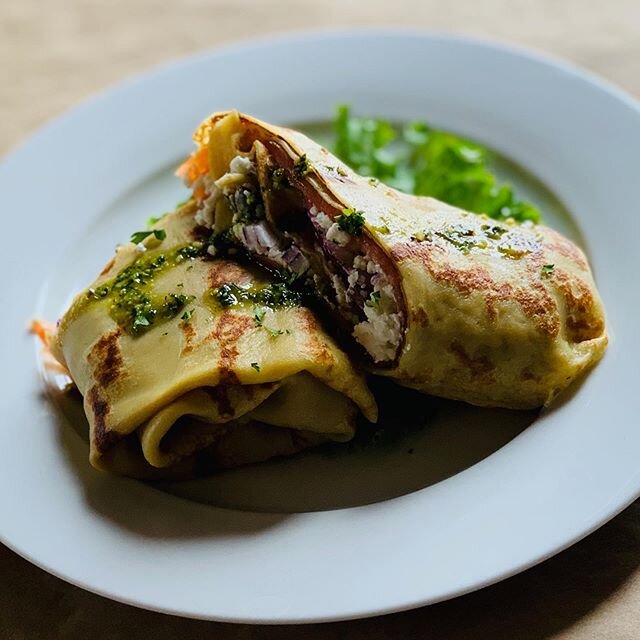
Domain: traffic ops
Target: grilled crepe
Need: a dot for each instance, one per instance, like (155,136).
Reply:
(176,381)
(442,300)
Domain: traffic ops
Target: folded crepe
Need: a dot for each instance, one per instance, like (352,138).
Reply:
(445,301)
(188,363)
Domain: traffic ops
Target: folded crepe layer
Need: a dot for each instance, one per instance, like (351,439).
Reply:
(442,300)
(198,384)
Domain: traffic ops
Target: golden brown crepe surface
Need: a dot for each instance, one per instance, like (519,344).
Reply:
(496,313)
(214,388)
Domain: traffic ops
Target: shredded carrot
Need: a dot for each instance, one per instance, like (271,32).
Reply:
(194,166)
(43,330)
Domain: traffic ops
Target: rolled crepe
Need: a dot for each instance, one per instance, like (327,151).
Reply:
(176,380)
(445,301)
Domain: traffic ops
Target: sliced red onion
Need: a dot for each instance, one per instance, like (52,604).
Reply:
(295,260)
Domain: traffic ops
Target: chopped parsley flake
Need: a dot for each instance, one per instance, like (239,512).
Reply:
(494,232)
(547,269)
(301,167)
(279,179)
(462,239)
(133,304)
(145,312)
(258,316)
(351,221)
(139,236)
(186,316)
(276,294)
(255,366)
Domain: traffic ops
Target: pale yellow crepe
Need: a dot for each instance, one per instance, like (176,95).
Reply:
(204,386)
(445,301)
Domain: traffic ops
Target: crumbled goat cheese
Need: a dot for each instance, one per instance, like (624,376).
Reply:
(360,263)
(336,235)
(205,213)
(241,164)
(339,289)
(322,218)
(380,333)
(353,278)
(372,267)
(239,168)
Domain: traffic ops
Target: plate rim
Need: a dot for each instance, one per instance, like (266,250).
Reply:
(288,38)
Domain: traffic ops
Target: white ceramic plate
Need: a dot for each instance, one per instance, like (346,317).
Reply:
(320,538)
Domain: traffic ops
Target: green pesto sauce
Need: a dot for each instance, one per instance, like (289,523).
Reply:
(273,295)
(132,303)
(490,237)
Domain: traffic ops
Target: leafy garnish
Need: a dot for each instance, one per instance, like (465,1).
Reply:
(547,269)
(186,316)
(425,161)
(351,221)
(139,236)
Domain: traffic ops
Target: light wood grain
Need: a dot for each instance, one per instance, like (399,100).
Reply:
(56,53)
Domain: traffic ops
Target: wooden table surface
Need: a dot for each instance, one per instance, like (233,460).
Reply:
(55,53)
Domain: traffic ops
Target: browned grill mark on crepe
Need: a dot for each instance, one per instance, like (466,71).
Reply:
(224,272)
(189,334)
(538,305)
(500,292)
(229,328)
(558,243)
(582,319)
(106,359)
(534,300)
(103,439)
(317,349)
(478,366)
